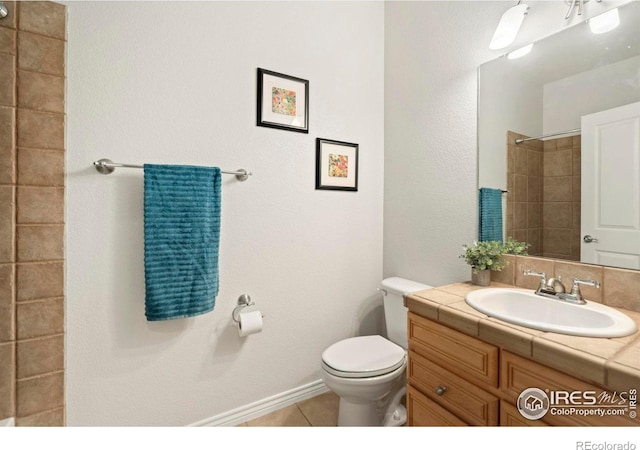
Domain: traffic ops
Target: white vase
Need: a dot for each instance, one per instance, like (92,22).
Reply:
(481,277)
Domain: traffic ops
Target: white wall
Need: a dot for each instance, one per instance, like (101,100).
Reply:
(175,83)
(568,99)
(432,52)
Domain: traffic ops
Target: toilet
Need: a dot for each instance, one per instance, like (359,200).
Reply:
(368,372)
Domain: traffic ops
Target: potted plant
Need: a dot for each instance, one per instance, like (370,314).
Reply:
(485,256)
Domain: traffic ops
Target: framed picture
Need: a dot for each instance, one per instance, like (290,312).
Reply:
(283,101)
(336,165)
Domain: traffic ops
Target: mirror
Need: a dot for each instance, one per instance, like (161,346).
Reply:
(565,77)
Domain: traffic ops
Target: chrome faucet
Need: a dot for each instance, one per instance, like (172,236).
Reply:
(576,296)
(543,288)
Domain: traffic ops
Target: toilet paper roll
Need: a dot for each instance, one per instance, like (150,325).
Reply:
(249,323)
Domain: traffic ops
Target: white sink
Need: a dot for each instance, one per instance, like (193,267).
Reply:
(524,307)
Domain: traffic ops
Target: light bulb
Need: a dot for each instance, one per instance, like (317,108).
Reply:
(519,53)
(604,22)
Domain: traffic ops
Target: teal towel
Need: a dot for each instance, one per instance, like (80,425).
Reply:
(181,239)
(490,227)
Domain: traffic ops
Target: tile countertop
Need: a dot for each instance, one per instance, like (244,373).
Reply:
(610,362)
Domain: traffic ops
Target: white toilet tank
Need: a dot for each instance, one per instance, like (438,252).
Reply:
(395,313)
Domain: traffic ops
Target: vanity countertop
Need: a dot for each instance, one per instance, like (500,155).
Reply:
(610,362)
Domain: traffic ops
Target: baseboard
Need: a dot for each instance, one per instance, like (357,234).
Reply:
(264,406)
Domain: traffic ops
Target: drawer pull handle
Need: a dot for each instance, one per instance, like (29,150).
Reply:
(440,390)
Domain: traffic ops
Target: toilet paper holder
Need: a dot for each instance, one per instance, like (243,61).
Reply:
(243,301)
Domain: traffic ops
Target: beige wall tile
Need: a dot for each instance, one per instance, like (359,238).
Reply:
(7,79)
(576,189)
(40,91)
(53,418)
(7,40)
(40,129)
(556,241)
(7,381)
(577,162)
(10,21)
(576,215)
(535,265)
(534,214)
(534,238)
(506,275)
(7,145)
(40,356)
(558,163)
(534,189)
(7,227)
(7,306)
(564,143)
(557,189)
(46,18)
(39,280)
(520,215)
(557,215)
(38,394)
(621,288)
(520,193)
(43,318)
(40,54)
(550,145)
(40,242)
(40,205)
(40,167)
(534,163)
(520,161)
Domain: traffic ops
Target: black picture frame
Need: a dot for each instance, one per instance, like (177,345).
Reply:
(337,171)
(283,101)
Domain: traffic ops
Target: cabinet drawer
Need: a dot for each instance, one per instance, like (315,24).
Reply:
(465,400)
(422,412)
(518,373)
(511,417)
(474,360)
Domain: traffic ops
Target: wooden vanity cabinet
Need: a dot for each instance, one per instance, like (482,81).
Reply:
(454,371)
(456,379)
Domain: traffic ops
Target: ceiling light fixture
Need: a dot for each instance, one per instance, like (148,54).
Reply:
(509,26)
(604,22)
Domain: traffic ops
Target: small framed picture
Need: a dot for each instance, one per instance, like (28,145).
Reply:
(283,101)
(336,165)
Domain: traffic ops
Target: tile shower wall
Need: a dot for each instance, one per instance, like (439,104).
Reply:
(32,77)
(525,186)
(561,198)
(543,204)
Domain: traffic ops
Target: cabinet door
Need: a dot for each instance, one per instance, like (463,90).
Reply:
(518,373)
(511,417)
(472,359)
(422,412)
(465,400)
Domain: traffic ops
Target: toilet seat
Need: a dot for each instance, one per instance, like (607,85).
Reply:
(363,357)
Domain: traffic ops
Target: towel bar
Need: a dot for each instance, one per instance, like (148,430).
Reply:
(106,166)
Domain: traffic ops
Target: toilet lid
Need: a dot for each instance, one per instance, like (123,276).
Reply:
(363,356)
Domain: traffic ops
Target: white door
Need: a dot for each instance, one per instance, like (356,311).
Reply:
(611,187)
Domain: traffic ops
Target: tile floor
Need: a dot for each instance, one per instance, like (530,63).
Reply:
(319,411)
